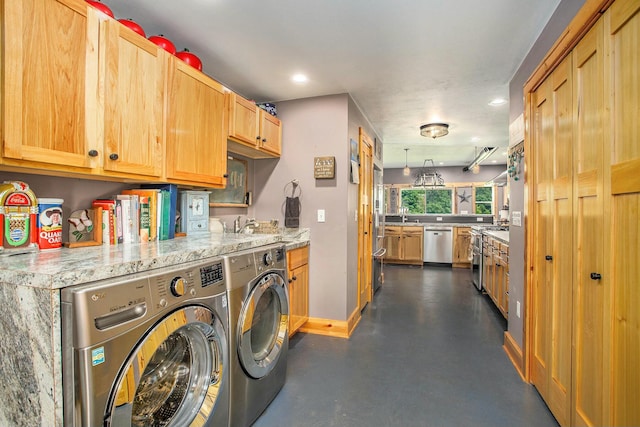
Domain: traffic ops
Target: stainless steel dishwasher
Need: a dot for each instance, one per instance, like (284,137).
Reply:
(438,244)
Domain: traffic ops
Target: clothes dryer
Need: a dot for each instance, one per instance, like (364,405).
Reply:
(259,325)
(148,349)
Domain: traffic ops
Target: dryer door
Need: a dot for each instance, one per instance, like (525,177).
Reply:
(263,325)
(173,376)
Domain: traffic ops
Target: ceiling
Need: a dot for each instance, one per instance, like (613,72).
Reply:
(405,62)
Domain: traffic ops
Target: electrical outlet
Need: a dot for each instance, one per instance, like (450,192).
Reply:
(320,215)
(479,219)
(438,218)
(518,309)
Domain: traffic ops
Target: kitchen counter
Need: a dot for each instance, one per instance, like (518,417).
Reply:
(503,236)
(30,325)
(66,267)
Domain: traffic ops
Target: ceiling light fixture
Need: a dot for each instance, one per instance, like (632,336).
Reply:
(497,102)
(475,163)
(406,171)
(434,130)
(299,78)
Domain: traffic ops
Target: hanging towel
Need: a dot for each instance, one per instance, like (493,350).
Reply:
(292,212)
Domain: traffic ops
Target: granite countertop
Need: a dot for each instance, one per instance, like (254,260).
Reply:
(435,224)
(65,267)
(503,236)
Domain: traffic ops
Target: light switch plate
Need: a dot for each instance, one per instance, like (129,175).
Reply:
(518,309)
(516,218)
(320,215)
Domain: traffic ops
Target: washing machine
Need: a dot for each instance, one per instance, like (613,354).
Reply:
(148,349)
(259,325)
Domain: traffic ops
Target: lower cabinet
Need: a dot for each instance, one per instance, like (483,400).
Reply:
(461,247)
(495,273)
(298,270)
(404,244)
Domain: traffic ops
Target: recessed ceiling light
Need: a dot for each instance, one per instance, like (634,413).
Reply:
(441,163)
(299,78)
(475,139)
(494,161)
(498,101)
(504,153)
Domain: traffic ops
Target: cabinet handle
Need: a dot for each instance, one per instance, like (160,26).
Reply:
(93,153)
(295,278)
(290,280)
(596,276)
(548,257)
(264,139)
(258,137)
(113,156)
(226,175)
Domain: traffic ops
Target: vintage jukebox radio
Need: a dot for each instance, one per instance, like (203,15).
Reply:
(18,214)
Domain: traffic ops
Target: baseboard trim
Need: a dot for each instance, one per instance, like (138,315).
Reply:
(514,353)
(332,328)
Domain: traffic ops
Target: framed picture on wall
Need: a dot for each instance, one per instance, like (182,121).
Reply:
(236,190)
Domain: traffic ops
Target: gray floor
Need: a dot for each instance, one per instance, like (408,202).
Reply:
(427,352)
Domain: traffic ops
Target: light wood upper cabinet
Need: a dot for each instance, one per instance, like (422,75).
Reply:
(196,134)
(50,72)
(253,132)
(270,133)
(133,69)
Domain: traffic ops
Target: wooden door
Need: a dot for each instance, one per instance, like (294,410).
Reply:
(134,82)
(554,256)
(196,127)
(365,212)
(623,260)
(589,369)
(50,72)
(541,304)
(270,133)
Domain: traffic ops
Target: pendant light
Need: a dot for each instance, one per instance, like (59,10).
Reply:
(406,171)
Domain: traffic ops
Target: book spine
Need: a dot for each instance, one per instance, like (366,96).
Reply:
(145,219)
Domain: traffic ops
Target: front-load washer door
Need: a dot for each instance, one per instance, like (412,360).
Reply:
(174,375)
(263,325)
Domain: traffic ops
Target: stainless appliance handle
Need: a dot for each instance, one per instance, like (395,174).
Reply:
(380,252)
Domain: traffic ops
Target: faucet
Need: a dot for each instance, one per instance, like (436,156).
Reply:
(249,222)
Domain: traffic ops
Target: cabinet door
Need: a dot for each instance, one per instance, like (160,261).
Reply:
(196,127)
(412,245)
(50,72)
(624,256)
(392,240)
(243,120)
(270,133)
(134,78)
(298,298)
(461,245)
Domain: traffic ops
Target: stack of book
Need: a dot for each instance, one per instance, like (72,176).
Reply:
(139,215)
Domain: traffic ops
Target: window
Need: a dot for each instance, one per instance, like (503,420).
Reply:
(427,200)
(484,200)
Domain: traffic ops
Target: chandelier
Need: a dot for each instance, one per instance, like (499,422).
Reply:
(434,130)
(428,176)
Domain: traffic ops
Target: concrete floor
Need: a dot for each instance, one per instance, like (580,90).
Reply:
(427,352)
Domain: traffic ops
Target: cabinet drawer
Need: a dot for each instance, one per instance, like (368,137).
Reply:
(297,257)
